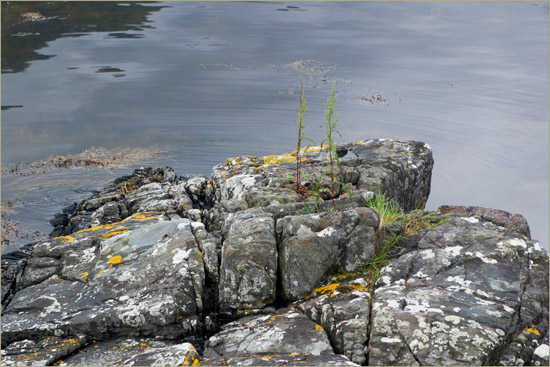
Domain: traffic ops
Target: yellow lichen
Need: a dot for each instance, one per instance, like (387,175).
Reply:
(531,330)
(84,275)
(142,216)
(65,239)
(319,327)
(108,235)
(115,259)
(331,288)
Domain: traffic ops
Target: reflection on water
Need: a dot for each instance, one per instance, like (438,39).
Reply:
(207,81)
(28,26)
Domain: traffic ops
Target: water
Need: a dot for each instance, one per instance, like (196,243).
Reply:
(207,81)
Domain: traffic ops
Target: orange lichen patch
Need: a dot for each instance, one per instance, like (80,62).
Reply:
(115,260)
(65,239)
(196,362)
(531,330)
(97,228)
(190,358)
(293,354)
(272,318)
(108,235)
(331,288)
(319,327)
(143,216)
(356,287)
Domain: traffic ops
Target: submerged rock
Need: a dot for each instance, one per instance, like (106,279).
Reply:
(159,270)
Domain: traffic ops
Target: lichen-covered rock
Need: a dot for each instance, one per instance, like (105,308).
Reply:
(183,354)
(143,276)
(248,271)
(112,352)
(313,245)
(155,261)
(401,169)
(43,352)
(144,190)
(342,308)
(292,359)
(470,289)
(285,334)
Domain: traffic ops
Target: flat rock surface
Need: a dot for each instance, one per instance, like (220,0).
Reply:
(284,335)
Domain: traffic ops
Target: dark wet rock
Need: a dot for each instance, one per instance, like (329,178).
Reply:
(248,271)
(285,334)
(13,265)
(314,245)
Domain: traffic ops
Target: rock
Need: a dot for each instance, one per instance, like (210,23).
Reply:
(13,264)
(292,359)
(176,355)
(135,279)
(314,245)
(266,339)
(115,351)
(248,272)
(42,353)
(147,270)
(469,288)
(342,308)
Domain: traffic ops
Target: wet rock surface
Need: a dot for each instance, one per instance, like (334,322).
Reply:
(158,269)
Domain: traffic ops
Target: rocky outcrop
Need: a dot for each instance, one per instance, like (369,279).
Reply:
(240,269)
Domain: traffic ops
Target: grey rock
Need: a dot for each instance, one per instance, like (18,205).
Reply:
(248,272)
(272,359)
(112,352)
(285,332)
(142,277)
(313,245)
(455,300)
(41,353)
(342,308)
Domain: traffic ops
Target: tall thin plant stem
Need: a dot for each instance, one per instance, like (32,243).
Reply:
(330,130)
(303,107)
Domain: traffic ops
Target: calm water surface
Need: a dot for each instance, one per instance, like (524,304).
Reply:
(207,81)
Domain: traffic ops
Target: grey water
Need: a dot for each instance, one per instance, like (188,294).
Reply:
(205,81)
